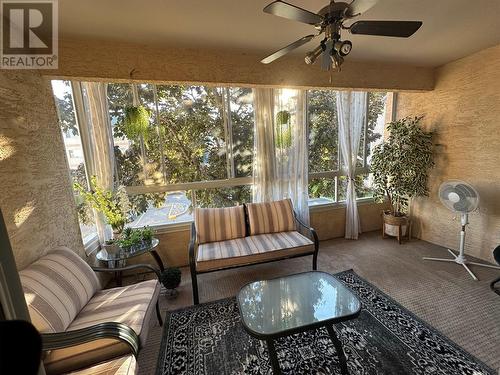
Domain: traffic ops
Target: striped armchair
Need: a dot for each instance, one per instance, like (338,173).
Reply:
(85,328)
(223,238)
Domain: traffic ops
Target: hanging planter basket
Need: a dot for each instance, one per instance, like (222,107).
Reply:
(136,122)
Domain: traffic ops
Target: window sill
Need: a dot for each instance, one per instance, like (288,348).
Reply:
(180,227)
(338,205)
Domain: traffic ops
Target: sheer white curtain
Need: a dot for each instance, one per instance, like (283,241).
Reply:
(101,143)
(351,113)
(281,153)
(264,160)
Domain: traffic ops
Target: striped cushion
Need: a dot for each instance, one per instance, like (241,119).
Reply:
(251,249)
(56,287)
(271,217)
(219,224)
(126,365)
(132,305)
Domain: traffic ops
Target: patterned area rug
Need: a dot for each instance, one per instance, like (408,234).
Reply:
(385,339)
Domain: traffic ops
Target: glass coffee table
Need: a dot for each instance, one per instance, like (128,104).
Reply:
(279,307)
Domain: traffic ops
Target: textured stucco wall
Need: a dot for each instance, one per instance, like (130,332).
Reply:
(464,110)
(36,197)
(110,60)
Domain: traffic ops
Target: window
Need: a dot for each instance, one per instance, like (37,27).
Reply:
(197,150)
(327,181)
(74,151)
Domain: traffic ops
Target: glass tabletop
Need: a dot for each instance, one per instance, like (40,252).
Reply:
(112,253)
(295,303)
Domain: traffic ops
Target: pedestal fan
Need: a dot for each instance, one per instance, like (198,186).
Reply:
(459,196)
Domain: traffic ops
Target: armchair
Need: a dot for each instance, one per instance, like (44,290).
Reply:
(84,326)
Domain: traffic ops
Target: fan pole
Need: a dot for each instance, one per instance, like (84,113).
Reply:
(464,221)
(460,258)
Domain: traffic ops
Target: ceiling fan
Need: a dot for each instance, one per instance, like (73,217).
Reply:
(330,21)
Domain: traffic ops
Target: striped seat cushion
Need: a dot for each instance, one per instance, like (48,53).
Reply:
(252,249)
(132,305)
(271,217)
(56,287)
(219,224)
(126,365)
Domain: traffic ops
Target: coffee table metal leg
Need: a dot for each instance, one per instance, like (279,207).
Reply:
(274,358)
(338,348)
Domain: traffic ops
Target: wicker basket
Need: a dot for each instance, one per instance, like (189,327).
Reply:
(395,226)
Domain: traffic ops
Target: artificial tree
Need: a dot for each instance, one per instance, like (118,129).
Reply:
(400,165)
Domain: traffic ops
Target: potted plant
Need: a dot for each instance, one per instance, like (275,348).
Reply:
(400,167)
(171,279)
(113,204)
(147,235)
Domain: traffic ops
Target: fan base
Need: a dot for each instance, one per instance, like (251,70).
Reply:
(460,259)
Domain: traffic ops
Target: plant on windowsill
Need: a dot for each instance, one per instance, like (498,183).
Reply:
(114,205)
(400,167)
(171,279)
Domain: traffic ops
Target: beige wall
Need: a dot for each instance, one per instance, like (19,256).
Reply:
(109,60)
(328,222)
(464,110)
(35,198)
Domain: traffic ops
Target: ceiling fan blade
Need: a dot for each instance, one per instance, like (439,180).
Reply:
(357,7)
(285,50)
(401,29)
(292,12)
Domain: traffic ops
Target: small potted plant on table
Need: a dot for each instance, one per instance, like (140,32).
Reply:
(400,168)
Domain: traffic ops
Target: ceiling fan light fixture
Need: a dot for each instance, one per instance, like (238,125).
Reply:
(313,55)
(343,48)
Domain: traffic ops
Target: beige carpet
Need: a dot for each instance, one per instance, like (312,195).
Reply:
(442,294)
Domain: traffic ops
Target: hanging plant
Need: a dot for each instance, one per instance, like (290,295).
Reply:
(136,122)
(283,130)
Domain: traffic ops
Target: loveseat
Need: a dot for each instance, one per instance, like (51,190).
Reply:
(86,329)
(223,238)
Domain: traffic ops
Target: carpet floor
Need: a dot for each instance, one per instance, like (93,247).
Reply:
(442,294)
(384,339)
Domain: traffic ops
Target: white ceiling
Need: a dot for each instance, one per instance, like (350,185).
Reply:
(451,28)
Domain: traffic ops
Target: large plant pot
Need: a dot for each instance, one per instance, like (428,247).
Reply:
(395,226)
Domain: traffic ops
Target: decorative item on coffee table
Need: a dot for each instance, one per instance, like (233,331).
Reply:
(400,167)
(171,279)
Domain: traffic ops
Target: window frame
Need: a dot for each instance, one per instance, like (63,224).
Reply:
(339,172)
(231,181)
